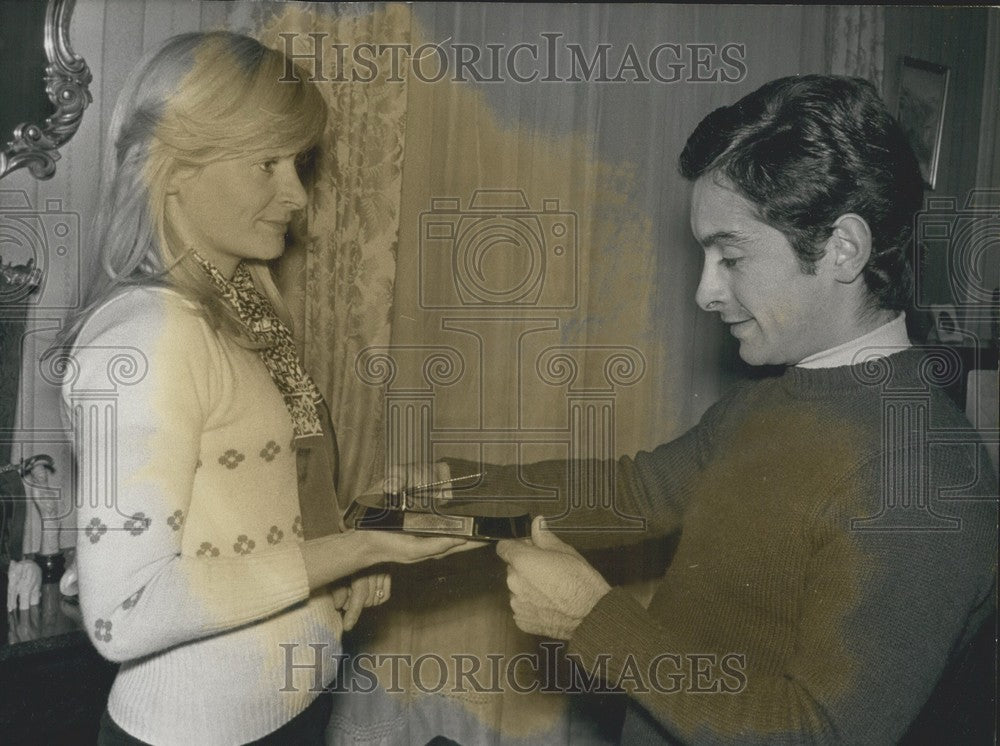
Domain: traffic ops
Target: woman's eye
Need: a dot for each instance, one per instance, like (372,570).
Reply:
(304,163)
(268,165)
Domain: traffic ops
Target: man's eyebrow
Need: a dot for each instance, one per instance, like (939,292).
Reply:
(727,237)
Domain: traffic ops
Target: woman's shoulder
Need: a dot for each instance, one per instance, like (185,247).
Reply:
(142,312)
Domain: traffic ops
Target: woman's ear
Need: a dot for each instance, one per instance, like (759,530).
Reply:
(849,247)
(172,183)
(176,177)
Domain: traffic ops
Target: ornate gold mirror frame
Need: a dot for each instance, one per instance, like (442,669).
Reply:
(67,78)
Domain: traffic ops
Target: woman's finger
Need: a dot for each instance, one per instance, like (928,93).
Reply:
(352,610)
(381,583)
(340,594)
(366,588)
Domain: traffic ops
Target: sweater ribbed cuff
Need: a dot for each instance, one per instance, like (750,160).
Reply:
(610,629)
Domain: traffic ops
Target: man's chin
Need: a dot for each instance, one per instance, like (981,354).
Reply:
(754,355)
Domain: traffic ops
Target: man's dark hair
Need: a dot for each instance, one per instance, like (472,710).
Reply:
(806,150)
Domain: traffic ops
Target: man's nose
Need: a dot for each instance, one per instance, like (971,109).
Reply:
(711,290)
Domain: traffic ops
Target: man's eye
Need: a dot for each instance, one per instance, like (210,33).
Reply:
(729,262)
(268,165)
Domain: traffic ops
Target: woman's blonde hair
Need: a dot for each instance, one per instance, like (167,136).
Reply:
(199,98)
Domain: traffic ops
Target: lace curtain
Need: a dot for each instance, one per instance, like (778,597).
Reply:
(855,42)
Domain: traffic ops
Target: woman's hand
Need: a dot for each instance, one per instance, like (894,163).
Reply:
(407,549)
(330,559)
(363,591)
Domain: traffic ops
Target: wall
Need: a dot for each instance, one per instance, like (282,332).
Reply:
(111,35)
(956,38)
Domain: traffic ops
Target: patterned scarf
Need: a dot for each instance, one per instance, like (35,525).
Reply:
(262,324)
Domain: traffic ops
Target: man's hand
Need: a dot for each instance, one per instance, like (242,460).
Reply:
(406,477)
(552,587)
(24,584)
(363,591)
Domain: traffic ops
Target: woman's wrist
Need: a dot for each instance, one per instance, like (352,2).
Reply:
(332,558)
(363,551)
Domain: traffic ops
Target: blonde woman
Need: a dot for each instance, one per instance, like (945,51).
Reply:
(212,561)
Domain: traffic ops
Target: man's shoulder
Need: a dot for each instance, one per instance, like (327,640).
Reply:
(927,376)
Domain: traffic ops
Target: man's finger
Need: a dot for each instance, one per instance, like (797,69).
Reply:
(543,538)
(518,603)
(511,550)
(393,484)
(520,549)
(442,473)
(507,549)
(514,583)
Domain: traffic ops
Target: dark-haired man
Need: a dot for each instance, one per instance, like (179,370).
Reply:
(831,562)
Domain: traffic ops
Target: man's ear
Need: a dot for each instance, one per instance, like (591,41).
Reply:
(849,247)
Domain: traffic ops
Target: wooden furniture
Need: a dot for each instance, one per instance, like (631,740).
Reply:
(53,684)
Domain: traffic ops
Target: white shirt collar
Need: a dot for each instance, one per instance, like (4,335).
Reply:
(883,341)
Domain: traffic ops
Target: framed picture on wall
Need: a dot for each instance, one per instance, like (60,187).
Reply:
(923,90)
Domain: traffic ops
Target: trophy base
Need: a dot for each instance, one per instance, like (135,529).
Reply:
(468,520)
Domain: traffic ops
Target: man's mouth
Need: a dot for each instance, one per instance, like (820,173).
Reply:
(738,324)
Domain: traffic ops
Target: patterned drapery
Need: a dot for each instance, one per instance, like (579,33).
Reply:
(341,290)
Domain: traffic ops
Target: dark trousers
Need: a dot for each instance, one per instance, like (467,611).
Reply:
(306,728)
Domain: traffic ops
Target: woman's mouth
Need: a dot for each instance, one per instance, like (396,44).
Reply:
(276,225)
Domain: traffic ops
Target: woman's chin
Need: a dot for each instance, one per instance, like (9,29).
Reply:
(267,252)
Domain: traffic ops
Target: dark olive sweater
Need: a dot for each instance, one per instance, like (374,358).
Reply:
(837,547)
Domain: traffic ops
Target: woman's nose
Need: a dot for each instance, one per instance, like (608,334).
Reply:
(292,192)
